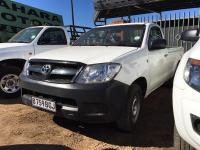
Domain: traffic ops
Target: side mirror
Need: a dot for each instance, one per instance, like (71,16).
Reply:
(190,35)
(158,44)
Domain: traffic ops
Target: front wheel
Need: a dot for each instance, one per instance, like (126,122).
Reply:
(9,82)
(131,113)
(179,143)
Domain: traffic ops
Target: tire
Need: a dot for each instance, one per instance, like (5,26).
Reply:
(179,143)
(131,113)
(10,74)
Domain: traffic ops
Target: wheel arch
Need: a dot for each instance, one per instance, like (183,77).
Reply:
(142,82)
(13,62)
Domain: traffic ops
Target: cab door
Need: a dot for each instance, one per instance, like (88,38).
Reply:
(52,38)
(158,67)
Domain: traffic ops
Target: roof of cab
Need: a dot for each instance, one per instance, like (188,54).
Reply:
(125,24)
(46,27)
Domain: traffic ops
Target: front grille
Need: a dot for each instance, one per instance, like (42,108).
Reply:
(54,71)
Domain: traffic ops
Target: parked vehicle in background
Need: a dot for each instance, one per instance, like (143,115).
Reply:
(104,77)
(186,96)
(27,43)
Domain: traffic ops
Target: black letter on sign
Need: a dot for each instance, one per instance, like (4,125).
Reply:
(8,17)
(55,18)
(3,27)
(35,23)
(20,8)
(44,15)
(3,4)
(23,19)
(48,24)
(13,29)
(33,13)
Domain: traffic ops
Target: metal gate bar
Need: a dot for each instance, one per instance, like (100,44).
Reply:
(173,24)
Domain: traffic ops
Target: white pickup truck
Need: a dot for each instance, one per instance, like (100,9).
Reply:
(25,44)
(186,96)
(104,77)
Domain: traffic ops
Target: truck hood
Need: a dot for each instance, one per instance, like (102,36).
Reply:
(86,54)
(11,45)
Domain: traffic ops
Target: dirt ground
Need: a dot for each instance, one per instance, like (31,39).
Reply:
(25,128)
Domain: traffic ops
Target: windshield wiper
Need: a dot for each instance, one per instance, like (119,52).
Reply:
(18,41)
(86,45)
(117,45)
(126,45)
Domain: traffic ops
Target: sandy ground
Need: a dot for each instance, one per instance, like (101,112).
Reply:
(25,128)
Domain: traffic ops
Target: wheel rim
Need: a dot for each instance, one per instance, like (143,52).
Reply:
(10,83)
(135,109)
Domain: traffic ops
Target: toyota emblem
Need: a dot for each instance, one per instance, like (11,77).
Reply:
(46,69)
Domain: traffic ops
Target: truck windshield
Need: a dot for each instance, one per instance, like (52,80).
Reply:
(25,36)
(126,35)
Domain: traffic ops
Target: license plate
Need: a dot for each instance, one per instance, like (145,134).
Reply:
(44,104)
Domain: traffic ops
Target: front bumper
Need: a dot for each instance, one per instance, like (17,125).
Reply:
(186,104)
(94,103)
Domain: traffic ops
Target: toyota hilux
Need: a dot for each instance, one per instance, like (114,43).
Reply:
(104,77)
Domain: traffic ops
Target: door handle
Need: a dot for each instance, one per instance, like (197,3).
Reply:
(166,55)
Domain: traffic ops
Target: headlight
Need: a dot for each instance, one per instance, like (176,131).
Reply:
(192,73)
(98,73)
(25,70)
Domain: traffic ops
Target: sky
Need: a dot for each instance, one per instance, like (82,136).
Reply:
(83,9)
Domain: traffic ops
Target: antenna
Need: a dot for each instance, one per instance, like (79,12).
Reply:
(149,10)
(72,12)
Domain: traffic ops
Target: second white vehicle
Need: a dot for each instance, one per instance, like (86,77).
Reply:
(186,96)
(104,77)
(26,43)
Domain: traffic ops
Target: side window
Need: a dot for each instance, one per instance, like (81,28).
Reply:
(154,34)
(54,36)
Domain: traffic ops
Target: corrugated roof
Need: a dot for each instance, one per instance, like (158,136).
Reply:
(111,4)
(120,8)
